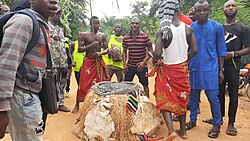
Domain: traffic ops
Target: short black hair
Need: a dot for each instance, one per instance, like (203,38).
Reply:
(93,18)
(200,2)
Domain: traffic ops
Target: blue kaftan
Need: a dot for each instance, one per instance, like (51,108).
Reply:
(204,66)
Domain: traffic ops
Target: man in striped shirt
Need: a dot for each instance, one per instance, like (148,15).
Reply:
(136,49)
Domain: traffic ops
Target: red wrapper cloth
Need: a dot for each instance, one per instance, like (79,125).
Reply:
(92,71)
(172,87)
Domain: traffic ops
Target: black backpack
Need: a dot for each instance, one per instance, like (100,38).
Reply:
(35,36)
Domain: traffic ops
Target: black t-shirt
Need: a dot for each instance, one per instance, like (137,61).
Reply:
(237,36)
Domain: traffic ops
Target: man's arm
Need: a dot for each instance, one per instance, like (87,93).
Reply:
(124,57)
(105,45)
(11,54)
(158,47)
(149,52)
(221,75)
(82,43)
(191,42)
(242,52)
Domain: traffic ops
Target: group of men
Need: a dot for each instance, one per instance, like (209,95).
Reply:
(207,69)
(187,59)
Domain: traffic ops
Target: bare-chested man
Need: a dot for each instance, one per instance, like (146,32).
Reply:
(93,69)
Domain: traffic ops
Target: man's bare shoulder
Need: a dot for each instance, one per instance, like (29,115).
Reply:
(189,29)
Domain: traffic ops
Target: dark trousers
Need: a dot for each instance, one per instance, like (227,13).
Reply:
(68,84)
(231,76)
(77,75)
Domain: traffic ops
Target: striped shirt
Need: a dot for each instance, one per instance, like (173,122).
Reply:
(17,34)
(137,47)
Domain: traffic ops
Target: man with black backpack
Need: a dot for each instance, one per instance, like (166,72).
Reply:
(20,106)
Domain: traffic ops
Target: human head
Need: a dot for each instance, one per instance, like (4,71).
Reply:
(191,14)
(94,23)
(57,16)
(230,9)
(118,29)
(3,9)
(202,10)
(134,24)
(168,10)
(46,8)
(100,29)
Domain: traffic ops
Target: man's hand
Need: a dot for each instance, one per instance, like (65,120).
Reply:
(4,119)
(97,54)
(221,76)
(94,44)
(57,38)
(229,55)
(73,64)
(141,66)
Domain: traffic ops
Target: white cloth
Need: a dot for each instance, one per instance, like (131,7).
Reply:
(177,51)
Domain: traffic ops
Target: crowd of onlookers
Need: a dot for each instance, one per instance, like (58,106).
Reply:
(191,53)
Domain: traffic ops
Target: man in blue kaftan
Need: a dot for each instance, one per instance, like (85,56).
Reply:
(205,72)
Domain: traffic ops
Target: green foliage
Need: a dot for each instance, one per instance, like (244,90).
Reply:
(73,17)
(8,2)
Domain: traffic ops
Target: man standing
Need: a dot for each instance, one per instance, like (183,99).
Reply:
(139,46)
(93,69)
(59,58)
(114,62)
(77,58)
(206,68)
(19,97)
(172,86)
(237,36)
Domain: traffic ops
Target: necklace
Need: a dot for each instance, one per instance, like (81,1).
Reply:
(228,24)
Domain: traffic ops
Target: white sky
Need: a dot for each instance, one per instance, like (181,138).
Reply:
(101,7)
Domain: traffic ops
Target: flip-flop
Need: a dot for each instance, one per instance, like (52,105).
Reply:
(190,125)
(231,130)
(214,132)
(170,137)
(181,135)
(209,121)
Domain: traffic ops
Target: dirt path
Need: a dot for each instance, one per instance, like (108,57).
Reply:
(59,126)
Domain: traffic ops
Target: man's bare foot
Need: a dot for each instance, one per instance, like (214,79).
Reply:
(181,134)
(75,110)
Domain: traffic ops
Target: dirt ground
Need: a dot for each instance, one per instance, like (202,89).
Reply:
(59,126)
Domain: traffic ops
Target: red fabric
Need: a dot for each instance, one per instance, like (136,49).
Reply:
(92,71)
(185,19)
(172,87)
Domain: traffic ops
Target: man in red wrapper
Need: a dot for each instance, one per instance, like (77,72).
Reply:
(177,43)
(93,69)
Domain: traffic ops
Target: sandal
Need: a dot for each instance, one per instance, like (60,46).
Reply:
(190,125)
(214,132)
(209,121)
(183,136)
(231,130)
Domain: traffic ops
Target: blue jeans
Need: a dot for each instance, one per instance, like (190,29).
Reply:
(25,117)
(213,99)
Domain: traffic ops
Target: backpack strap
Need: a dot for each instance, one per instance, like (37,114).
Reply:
(34,39)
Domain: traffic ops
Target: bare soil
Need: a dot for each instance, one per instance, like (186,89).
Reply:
(59,126)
